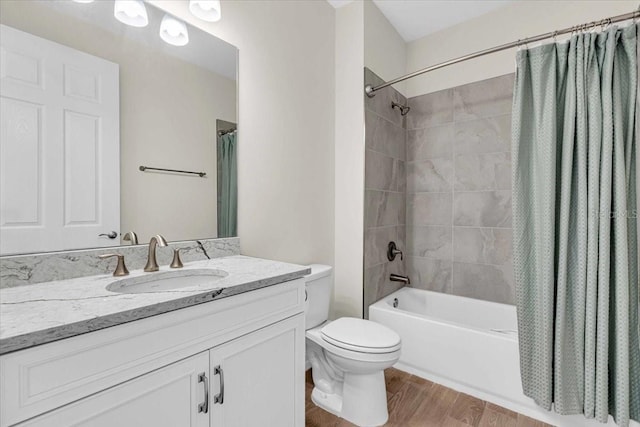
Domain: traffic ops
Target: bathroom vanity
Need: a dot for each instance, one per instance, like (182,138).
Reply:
(228,352)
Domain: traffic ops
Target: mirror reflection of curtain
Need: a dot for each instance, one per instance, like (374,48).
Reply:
(228,211)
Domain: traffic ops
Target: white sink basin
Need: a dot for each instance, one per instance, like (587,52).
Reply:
(168,280)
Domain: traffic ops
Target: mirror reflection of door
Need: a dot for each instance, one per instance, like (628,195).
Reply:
(59,146)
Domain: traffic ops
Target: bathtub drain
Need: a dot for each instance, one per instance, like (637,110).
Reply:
(395,303)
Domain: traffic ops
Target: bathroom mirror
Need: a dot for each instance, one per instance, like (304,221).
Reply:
(111,126)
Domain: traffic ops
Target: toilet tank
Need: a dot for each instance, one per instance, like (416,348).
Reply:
(318,287)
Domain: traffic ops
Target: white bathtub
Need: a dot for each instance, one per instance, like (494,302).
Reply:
(465,344)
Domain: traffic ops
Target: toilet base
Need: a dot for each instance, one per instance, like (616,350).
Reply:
(365,401)
(331,403)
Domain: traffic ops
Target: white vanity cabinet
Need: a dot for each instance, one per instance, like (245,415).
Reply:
(167,397)
(238,361)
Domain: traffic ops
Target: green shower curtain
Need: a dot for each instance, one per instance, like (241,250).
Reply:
(228,186)
(575,224)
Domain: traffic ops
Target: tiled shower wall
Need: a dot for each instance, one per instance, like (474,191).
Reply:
(385,192)
(438,183)
(459,190)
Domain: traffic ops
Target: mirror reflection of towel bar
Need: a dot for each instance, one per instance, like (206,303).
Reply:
(144,168)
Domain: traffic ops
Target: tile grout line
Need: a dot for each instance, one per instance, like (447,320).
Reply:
(453,197)
(454,121)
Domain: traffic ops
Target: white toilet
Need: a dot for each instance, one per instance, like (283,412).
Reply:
(347,357)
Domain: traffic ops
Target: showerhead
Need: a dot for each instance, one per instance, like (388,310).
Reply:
(404,109)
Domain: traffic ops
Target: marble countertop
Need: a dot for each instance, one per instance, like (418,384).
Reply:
(31,315)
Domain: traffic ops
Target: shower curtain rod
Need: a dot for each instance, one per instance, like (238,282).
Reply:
(371,90)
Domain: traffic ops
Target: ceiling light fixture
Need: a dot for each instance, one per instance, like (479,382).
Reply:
(131,12)
(83,1)
(174,31)
(207,10)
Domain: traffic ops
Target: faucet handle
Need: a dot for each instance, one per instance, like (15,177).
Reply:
(131,236)
(177,262)
(121,268)
(393,251)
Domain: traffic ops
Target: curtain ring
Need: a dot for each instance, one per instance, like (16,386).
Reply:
(555,36)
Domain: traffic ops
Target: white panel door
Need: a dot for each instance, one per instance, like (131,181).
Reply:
(258,379)
(169,397)
(59,146)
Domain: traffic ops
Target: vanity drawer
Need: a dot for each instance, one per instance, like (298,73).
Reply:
(43,378)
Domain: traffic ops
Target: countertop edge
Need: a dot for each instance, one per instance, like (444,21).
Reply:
(56,333)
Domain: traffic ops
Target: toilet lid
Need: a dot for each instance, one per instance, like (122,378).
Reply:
(361,335)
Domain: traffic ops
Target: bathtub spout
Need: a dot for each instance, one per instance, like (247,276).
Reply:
(400,278)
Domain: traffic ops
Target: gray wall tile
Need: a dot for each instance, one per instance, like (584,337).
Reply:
(435,175)
(385,194)
(384,137)
(482,245)
(482,208)
(376,241)
(430,143)
(429,209)
(487,282)
(430,110)
(451,169)
(490,171)
(486,135)
(381,103)
(430,242)
(380,171)
(400,176)
(430,274)
(377,282)
(384,208)
(487,98)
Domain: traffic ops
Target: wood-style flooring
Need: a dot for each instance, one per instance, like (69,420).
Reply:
(416,402)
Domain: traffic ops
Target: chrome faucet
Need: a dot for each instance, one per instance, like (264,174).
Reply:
(152,263)
(131,237)
(399,278)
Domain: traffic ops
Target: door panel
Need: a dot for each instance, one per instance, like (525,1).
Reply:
(60,146)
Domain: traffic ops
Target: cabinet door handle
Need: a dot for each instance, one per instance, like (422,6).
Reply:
(204,406)
(219,398)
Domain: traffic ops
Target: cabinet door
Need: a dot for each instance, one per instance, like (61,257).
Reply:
(168,397)
(258,379)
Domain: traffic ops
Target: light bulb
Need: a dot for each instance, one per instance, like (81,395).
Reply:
(207,10)
(131,12)
(173,31)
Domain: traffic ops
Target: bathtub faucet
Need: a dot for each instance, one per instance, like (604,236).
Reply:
(400,278)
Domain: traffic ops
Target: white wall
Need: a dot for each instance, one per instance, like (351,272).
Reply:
(515,21)
(384,49)
(286,124)
(349,160)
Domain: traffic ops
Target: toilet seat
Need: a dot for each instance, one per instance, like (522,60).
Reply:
(316,336)
(359,335)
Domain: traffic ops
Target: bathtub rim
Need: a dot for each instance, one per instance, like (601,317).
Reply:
(384,305)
